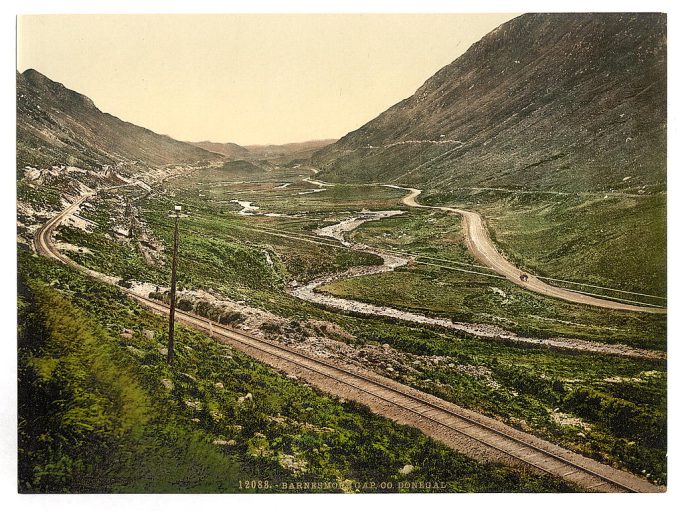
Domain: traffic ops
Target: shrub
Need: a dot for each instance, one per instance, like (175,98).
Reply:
(622,417)
(185,305)
(271,328)
(231,318)
(155,295)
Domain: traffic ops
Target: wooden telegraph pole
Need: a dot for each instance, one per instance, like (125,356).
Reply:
(173,288)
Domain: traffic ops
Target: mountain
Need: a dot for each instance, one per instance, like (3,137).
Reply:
(545,101)
(297,149)
(58,126)
(230,150)
(280,154)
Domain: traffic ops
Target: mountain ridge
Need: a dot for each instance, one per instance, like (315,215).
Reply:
(228,149)
(60,126)
(264,151)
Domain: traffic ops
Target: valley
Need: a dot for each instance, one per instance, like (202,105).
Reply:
(469,289)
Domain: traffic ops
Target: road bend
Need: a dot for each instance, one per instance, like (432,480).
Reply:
(482,247)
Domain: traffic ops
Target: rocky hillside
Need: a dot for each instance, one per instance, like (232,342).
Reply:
(58,126)
(546,101)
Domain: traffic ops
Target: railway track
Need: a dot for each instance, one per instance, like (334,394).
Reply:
(474,434)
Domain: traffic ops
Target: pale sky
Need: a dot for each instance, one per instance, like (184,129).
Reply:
(247,78)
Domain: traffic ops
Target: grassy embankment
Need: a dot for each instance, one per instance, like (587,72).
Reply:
(610,408)
(99,410)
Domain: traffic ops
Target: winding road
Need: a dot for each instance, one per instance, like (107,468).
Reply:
(480,244)
(469,432)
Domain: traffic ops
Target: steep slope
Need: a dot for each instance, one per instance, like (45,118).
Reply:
(58,126)
(547,101)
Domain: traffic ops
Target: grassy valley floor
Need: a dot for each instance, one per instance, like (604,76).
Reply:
(608,407)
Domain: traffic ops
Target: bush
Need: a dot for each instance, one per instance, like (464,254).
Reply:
(271,328)
(207,310)
(161,297)
(185,305)
(622,417)
(231,318)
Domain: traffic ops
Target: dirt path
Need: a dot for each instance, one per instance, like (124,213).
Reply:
(484,250)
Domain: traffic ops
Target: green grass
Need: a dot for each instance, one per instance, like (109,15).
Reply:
(38,197)
(621,401)
(625,425)
(419,232)
(219,187)
(88,422)
(438,238)
(480,299)
(109,256)
(607,239)
(101,411)
(226,248)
